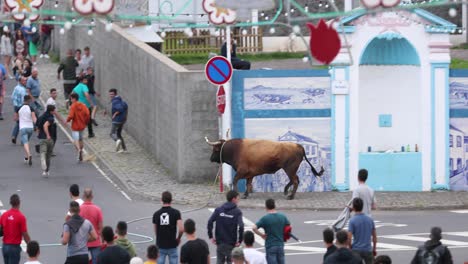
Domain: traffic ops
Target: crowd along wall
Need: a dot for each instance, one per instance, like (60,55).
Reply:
(171,109)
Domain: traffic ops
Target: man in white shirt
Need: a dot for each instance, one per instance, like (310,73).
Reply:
(252,255)
(365,193)
(27,118)
(52,98)
(33,252)
(87,59)
(75,196)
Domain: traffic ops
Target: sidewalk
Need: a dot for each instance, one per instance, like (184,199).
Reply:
(140,175)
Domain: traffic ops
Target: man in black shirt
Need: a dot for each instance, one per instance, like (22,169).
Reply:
(195,250)
(47,133)
(113,254)
(328,240)
(167,221)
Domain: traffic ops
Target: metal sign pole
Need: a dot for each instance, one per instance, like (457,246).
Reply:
(227,118)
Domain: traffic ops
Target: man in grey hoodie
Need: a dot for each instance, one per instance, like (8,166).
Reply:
(229,227)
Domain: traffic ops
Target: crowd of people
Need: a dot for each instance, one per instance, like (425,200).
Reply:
(88,241)
(79,94)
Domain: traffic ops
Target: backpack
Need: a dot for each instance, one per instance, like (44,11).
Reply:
(432,256)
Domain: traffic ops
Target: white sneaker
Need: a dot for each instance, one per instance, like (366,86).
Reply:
(46,56)
(42,56)
(45,174)
(121,151)
(118,144)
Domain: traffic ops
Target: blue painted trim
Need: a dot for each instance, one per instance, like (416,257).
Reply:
(458,113)
(345,185)
(444,66)
(359,13)
(287,113)
(433,18)
(389,49)
(459,73)
(347,29)
(440,187)
(420,12)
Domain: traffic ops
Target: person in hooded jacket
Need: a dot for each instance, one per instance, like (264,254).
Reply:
(229,227)
(433,249)
(119,117)
(343,255)
(122,239)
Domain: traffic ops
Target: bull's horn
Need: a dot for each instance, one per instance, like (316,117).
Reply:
(212,143)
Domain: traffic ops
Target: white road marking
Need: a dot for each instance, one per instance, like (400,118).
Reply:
(460,211)
(463,234)
(378,223)
(92,162)
(424,239)
(381,245)
(1,204)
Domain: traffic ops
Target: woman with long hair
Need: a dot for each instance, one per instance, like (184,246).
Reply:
(27,68)
(18,68)
(6,50)
(20,44)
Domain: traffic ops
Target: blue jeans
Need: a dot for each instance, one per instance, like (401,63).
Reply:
(94,253)
(275,255)
(15,131)
(11,254)
(171,253)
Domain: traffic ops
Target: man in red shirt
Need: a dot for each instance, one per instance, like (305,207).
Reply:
(13,224)
(91,212)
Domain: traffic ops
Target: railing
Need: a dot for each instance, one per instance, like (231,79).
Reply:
(203,42)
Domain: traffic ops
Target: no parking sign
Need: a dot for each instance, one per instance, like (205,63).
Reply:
(218,70)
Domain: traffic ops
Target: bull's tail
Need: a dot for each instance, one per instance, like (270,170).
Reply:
(311,166)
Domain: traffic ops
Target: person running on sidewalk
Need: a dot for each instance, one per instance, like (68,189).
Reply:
(229,228)
(273,223)
(79,114)
(83,96)
(53,129)
(14,226)
(17,98)
(27,118)
(365,193)
(92,93)
(33,87)
(2,92)
(112,254)
(46,142)
(122,239)
(93,213)
(68,66)
(119,117)
(360,231)
(33,251)
(167,221)
(195,250)
(76,233)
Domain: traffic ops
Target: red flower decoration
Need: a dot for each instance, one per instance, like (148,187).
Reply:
(325,42)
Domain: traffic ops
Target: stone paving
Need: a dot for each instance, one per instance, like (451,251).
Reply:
(140,175)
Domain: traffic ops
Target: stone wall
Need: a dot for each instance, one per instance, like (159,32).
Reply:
(171,109)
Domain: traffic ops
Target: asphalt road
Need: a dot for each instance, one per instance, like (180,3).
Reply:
(45,201)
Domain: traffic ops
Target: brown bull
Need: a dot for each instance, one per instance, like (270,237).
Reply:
(252,157)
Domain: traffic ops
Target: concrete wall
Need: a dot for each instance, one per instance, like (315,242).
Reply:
(170,109)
